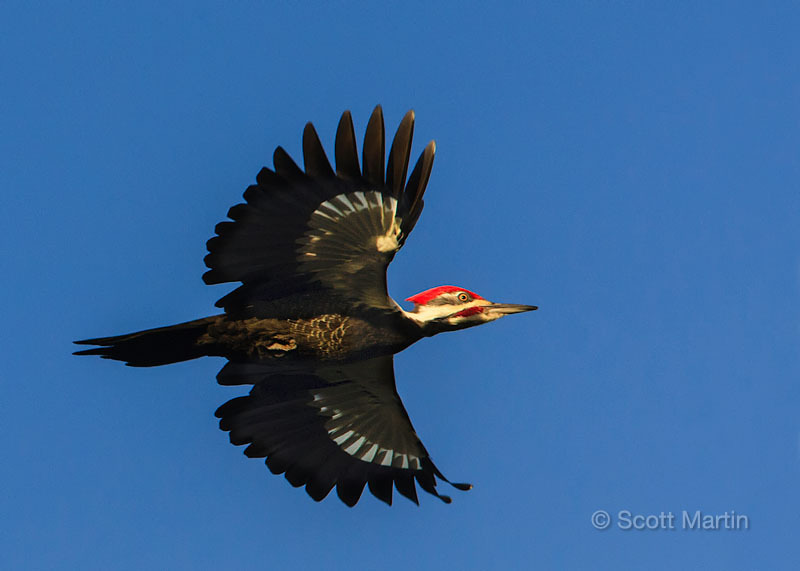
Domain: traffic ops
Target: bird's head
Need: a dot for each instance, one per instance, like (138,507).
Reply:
(447,308)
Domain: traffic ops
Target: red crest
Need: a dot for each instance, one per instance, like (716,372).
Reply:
(427,295)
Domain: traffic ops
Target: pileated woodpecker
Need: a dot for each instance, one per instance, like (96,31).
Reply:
(312,327)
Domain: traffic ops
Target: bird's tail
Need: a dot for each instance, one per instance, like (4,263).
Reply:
(152,347)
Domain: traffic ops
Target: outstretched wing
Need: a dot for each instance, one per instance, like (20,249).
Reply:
(341,425)
(323,230)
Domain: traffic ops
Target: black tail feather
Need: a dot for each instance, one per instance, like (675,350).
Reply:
(153,347)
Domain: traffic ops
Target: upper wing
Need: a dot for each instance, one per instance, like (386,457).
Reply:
(320,229)
(339,425)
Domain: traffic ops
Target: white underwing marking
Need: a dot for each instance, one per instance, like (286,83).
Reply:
(387,458)
(321,213)
(346,201)
(330,206)
(386,243)
(333,248)
(362,200)
(353,448)
(370,454)
(343,437)
(343,205)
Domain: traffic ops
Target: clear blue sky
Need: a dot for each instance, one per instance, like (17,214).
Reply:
(634,171)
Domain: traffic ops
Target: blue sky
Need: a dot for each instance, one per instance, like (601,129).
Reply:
(633,170)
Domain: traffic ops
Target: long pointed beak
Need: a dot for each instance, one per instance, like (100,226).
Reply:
(509,308)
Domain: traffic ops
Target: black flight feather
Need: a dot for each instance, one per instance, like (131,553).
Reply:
(347,165)
(397,166)
(415,188)
(285,165)
(314,157)
(374,150)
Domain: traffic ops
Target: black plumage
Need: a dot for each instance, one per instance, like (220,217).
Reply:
(291,417)
(347,166)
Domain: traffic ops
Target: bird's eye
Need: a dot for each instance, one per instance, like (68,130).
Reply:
(463,297)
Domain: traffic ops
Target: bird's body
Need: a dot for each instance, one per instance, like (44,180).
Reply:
(312,326)
(320,337)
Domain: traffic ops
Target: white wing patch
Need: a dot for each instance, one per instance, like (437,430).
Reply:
(350,225)
(362,448)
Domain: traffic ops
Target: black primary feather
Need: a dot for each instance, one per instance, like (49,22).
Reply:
(397,167)
(374,149)
(316,161)
(346,150)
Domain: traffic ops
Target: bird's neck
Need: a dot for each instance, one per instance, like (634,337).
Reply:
(427,324)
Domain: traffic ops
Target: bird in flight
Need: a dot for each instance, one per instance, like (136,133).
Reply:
(312,327)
